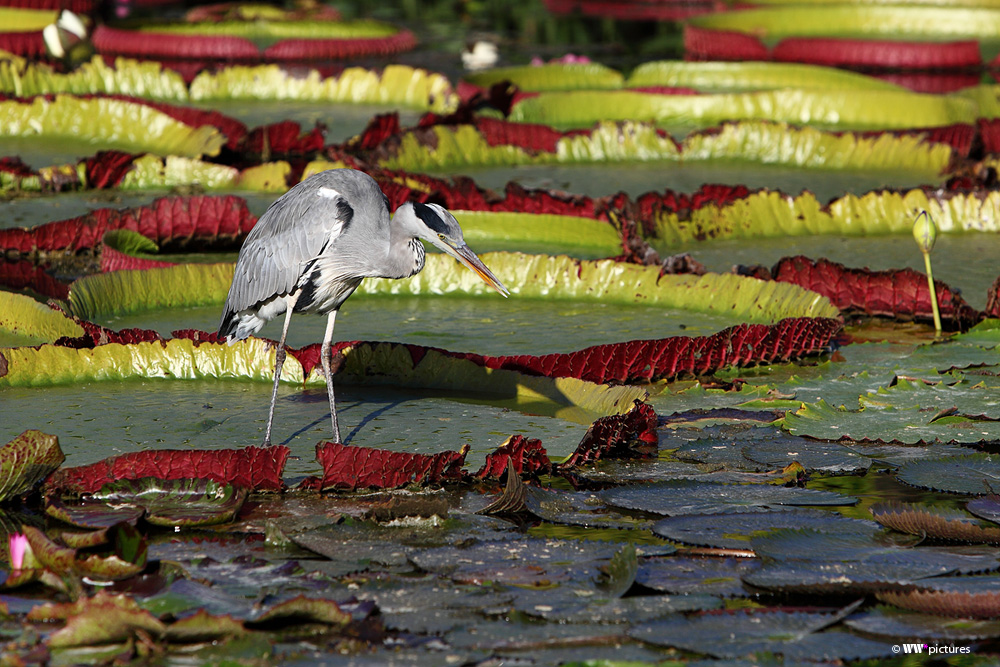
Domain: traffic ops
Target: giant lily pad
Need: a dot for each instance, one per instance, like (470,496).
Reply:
(962,597)
(749,76)
(861,109)
(935,522)
(21,315)
(973,474)
(885,621)
(123,125)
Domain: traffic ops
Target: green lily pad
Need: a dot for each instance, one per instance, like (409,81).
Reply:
(105,620)
(974,474)
(886,425)
(527,276)
(23,316)
(27,460)
(91,515)
(692,497)
(126,126)
(858,109)
(551,76)
(203,627)
(749,76)
(178,502)
(735,531)
(764,448)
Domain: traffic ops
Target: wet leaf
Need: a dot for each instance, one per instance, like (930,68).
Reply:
(735,531)
(985,507)
(973,474)
(23,316)
(910,426)
(27,460)
(692,497)
(513,496)
(177,502)
(938,522)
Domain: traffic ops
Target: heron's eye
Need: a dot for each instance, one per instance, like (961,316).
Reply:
(442,237)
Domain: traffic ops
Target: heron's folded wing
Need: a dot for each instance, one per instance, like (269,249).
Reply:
(290,234)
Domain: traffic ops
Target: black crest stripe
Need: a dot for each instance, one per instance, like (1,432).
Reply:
(430,217)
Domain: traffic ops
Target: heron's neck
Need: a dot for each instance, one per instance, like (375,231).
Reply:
(406,254)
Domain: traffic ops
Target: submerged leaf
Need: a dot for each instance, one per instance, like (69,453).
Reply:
(620,573)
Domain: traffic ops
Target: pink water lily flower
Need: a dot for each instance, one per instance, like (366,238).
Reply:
(17,546)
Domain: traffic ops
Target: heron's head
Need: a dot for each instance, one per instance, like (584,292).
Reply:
(434,224)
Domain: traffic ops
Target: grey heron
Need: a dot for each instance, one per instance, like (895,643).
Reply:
(313,247)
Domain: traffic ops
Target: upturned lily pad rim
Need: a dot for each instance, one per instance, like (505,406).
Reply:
(526,276)
(890,22)
(731,76)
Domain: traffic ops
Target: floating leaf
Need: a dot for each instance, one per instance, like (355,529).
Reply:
(27,460)
(749,76)
(511,500)
(910,426)
(576,509)
(862,109)
(177,502)
(973,474)
(550,76)
(91,515)
(23,316)
(986,507)
(937,522)
(117,124)
(692,497)
(735,531)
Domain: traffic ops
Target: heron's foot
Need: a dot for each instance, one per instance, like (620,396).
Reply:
(266,443)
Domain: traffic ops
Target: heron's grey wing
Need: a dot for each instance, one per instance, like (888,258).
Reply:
(290,234)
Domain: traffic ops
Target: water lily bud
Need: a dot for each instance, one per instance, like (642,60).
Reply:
(925,232)
(19,552)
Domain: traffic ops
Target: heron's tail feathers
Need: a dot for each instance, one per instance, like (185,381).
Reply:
(237,326)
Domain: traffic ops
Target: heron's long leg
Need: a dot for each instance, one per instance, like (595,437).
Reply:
(279,361)
(325,356)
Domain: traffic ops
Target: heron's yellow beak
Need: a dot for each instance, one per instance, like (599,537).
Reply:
(465,255)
